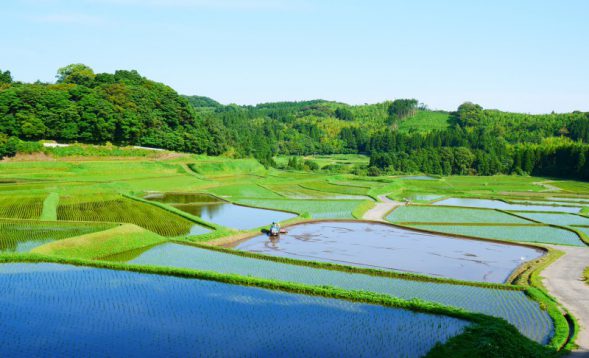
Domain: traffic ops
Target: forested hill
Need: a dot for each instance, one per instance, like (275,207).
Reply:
(403,135)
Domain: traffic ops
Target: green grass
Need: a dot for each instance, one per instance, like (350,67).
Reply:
(438,214)
(425,121)
(222,167)
(361,209)
(316,209)
(586,275)
(534,233)
(104,243)
(243,190)
(335,188)
(24,235)
(21,206)
(123,210)
(50,203)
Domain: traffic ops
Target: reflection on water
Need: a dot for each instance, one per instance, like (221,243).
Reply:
(215,210)
(386,247)
(235,216)
(183,198)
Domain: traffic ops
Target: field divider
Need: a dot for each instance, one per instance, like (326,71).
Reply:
(480,321)
(584,238)
(49,212)
(348,268)
(178,212)
(445,223)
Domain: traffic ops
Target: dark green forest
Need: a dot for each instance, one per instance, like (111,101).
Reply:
(400,136)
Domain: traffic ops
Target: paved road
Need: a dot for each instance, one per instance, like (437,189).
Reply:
(378,212)
(564,280)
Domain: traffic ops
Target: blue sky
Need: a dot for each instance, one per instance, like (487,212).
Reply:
(517,55)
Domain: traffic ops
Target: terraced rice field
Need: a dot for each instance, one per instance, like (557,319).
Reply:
(123,210)
(584,230)
(24,235)
(21,206)
(513,306)
(538,233)
(333,188)
(440,214)
(498,204)
(75,311)
(386,247)
(317,209)
(244,191)
(556,219)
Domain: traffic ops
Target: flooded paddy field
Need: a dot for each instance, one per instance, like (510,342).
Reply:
(59,310)
(513,306)
(498,204)
(386,247)
(215,210)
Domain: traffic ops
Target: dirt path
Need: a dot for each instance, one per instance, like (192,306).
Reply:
(378,212)
(564,281)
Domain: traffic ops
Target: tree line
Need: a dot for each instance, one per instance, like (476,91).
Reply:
(125,108)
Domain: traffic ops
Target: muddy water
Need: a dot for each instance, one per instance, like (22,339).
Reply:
(386,247)
(215,210)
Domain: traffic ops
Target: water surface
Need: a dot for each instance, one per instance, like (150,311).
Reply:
(536,324)
(212,209)
(64,311)
(390,248)
(498,204)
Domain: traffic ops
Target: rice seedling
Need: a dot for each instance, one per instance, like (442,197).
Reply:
(524,233)
(21,206)
(335,188)
(187,316)
(24,235)
(317,209)
(556,219)
(511,305)
(433,214)
(112,208)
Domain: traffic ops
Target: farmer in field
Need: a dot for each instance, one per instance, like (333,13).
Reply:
(274,229)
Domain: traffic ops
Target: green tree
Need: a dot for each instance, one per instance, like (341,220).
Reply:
(344,114)
(402,108)
(468,114)
(76,73)
(5,77)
